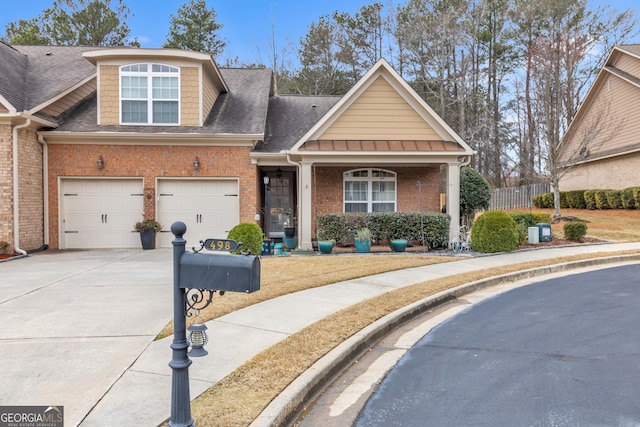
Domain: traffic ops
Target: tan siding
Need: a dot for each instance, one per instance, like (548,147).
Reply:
(6,184)
(210,94)
(615,173)
(70,100)
(628,64)
(190,97)
(109,95)
(380,113)
(615,111)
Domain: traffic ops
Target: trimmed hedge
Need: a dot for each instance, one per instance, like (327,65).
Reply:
(494,231)
(386,225)
(575,230)
(250,235)
(629,198)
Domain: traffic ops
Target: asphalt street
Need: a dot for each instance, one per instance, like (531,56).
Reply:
(561,352)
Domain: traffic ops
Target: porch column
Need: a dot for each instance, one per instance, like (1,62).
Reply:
(453,197)
(306,209)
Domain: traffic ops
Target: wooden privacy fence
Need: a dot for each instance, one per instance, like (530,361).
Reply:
(516,197)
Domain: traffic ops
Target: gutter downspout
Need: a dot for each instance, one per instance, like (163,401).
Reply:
(45,188)
(16,189)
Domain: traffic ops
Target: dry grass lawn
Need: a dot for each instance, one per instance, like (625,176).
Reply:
(240,397)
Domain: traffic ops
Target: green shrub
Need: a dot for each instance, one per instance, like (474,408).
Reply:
(636,196)
(575,231)
(601,199)
(627,198)
(590,199)
(250,235)
(575,199)
(614,199)
(564,200)
(541,217)
(475,194)
(523,222)
(494,231)
(387,225)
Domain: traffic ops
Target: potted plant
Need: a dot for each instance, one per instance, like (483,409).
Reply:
(326,246)
(148,229)
(399,245)
(363,240)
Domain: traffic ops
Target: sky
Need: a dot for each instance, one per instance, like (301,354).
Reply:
(247,24)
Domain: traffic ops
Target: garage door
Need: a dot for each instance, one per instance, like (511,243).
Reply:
(100,213)
(209,208)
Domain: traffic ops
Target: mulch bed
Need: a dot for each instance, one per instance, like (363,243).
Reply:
(7,256)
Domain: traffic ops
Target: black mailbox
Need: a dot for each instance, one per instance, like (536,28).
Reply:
(219,272)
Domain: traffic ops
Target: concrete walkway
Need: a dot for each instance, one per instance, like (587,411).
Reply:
(77,327)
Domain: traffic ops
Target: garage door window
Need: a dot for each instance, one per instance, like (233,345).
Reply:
(150,94)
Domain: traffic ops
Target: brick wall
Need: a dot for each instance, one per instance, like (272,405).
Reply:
(328,189)
(31,192)
(190,97)
(150,162)
(6,184)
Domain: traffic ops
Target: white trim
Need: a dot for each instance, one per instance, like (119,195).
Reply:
(136,138)
(369,179)
(9,106)
(63,94)
(149,75)
(201,117)
(382,68)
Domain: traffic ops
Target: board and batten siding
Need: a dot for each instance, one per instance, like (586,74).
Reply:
(380,113)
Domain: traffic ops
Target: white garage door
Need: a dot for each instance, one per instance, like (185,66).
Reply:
(100,213)
(209,208)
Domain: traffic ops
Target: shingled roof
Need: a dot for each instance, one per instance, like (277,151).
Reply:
(290,117)
(243,110)
(13,70)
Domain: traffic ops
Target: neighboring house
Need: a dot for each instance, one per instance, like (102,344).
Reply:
(602,144)
(93,139)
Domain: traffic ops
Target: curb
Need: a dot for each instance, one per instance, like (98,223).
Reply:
(288,405)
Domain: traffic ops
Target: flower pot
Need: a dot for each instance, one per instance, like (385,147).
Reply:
(325,246)
(289,232)
(363,246)
(148,238)
(399,245)
(291,242)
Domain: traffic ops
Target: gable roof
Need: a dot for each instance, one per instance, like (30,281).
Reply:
(446,139)
(609,69)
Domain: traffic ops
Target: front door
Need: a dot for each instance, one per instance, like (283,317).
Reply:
(280,203)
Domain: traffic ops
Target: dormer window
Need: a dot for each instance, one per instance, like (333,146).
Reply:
(149,94)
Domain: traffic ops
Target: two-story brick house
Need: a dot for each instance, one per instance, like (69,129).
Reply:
(93,139)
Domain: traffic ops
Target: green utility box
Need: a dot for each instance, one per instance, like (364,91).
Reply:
(544,232)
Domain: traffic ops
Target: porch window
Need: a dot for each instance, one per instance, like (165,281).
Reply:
(149,94)
(369,190)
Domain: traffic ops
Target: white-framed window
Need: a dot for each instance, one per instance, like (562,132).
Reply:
(149,94)
(369,190)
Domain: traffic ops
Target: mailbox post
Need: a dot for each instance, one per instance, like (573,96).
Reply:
(196,277)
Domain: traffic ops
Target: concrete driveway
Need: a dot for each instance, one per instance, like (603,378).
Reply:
(72,322)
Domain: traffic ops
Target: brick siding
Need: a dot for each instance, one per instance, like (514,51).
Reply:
(6,184)
(328,189)
(150,162)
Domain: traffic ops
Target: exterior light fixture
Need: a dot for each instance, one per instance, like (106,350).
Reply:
(279,173)
(196,163)
(100,162)
(265,179)
(197,339)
